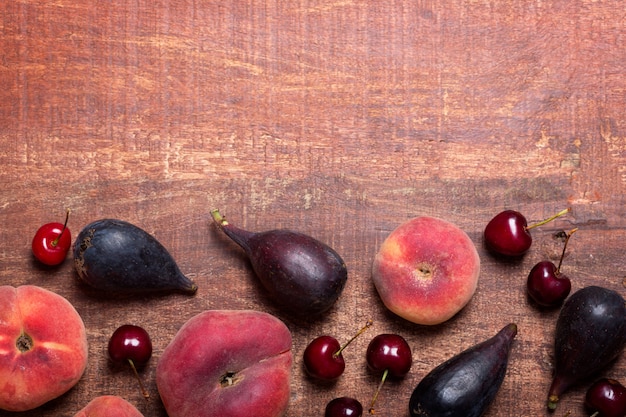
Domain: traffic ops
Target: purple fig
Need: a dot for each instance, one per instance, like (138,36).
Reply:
(302,274)
(116,256)
(590,334)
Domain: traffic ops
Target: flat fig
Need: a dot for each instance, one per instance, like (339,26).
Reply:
(465,385)
(590,334)
(117,256)
(302,274)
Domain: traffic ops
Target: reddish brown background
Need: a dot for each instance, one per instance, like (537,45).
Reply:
(338,119)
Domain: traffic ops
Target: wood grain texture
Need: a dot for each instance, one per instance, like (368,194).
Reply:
(338,119)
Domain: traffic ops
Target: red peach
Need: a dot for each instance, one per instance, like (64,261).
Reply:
(109,406)
(227,363)
(426,270)
(43,347)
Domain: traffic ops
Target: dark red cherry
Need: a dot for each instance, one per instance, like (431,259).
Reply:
(606,398)
(389,354)
(508,232)
(51,242)
(344,407)
(546,285)
(132,344)
(323,357)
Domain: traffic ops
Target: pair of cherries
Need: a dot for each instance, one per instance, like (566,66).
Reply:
(387,353)
(508,234)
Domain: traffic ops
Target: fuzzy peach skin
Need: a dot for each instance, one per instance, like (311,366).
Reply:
(109,406)
(43,347)
(426,270)
(227,363)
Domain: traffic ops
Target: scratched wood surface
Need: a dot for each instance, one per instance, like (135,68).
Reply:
(338,119)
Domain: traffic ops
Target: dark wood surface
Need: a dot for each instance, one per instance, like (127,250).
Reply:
(337,119)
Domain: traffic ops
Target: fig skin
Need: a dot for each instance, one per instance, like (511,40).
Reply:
(116,256)
(466,384)
(590,334)
(302,274)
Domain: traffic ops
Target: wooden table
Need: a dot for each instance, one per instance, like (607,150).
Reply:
(337,119)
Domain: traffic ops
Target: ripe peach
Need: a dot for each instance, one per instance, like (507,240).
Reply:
(43,347)
(227,363)
(426,270)
(109,406)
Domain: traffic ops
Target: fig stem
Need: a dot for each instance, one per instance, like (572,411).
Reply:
(219,219)
(552,401)
(569,234)
(596,414)
(56,241)
(239,236)
(380,385)
(364,328)
(549,219)
(145,393)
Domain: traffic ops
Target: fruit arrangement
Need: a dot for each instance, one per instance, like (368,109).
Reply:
(239,362)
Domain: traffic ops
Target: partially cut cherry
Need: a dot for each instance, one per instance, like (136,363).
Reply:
(508,232)
(323,357)
(51,242)
(132,344)
(606,398)
(546,285)
(389,354)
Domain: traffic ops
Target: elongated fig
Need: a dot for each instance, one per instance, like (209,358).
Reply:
(116,256)
(299,272)
(465,385)
(590,334)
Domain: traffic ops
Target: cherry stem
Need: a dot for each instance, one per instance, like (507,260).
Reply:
(56,241)
(549,219)
(596,414)
(145,393)
(364,328)
(380,385)
(569,234)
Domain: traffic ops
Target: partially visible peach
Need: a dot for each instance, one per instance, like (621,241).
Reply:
(109,406)
(43,347)
(426,270)
(227,363)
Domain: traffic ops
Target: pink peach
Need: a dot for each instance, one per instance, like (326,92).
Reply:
(109,406)
(227,363)
(426,270)
(43,347)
